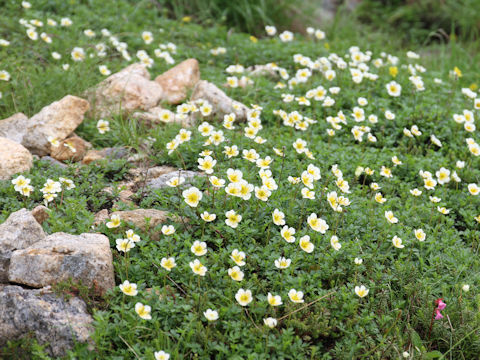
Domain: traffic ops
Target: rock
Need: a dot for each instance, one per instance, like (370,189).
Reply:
(91,156)
(54,162)
(152,117)
(19,231)
(63,152)
(126,91)
(13,127)
(125,195)
(262,70)
(117,152)
(57,120)
(84,258)
(101,217)
(53,320)
(220,102)
(178,80)
(161,181)
(137,158)
(139,217)
(40,213)
(14,158)
(112,153)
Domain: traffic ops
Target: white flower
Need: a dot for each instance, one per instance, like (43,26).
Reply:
(394,89)
(282,263)
(210,315)
(243,297)
(233,219)
(271,30)
(296,296)
(168,229)
(192,196)
(397,242)
(78,54)
(286,36)
(161,355)
(361,291)
(473,189)
(270,322)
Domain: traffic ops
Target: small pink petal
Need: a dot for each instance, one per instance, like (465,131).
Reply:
(441,305)
(438,316)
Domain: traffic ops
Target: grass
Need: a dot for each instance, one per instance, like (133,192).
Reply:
(395,316)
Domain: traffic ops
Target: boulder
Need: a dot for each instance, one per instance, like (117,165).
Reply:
(63,152)
(141,217)
(178,80)
(220,102)
(19,231)
(54,321)
(160,181)
(54,162)
(123,92)
(156,171)
(57,120)
(14,158)
(84,258)
(13,128)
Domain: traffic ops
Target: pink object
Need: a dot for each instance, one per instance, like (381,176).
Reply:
(441,305)
(438,316)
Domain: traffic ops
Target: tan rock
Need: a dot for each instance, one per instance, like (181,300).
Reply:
(141,217)
(14,158)
(126,91)
(14,127)
(178,80)
(84,258)
(101,217)
(64,152)
(40,213)
(220,102)
(57,120)
(92,155)
(125,195)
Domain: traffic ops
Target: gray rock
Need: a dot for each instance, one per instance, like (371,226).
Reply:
(161,181)
(13,128)
(19,231)
(221,103)
(53,320)
(85,258)
(54,162)
(4,264)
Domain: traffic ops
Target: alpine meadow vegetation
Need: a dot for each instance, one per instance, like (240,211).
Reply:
(341,220)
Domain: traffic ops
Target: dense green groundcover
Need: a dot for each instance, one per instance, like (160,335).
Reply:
(393,320)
